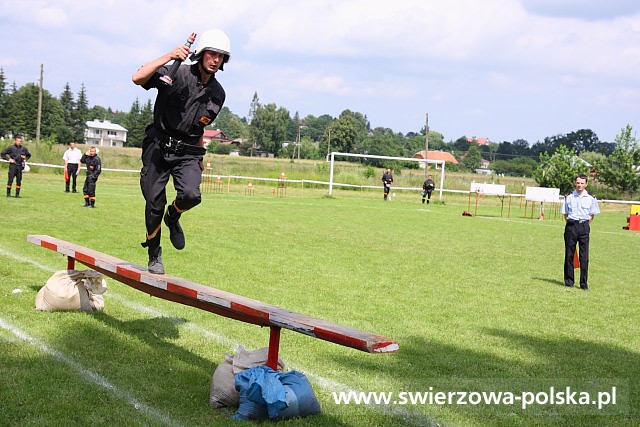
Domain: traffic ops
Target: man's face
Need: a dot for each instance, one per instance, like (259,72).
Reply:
(211,61)
(72,145)
(92,151)
(581,183)
(18,141)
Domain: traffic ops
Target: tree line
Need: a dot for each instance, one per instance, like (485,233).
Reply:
(269,129)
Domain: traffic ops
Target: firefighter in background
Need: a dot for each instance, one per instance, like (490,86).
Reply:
(387,180)
(94,167)
(173,145)
(17,155)
(427,188)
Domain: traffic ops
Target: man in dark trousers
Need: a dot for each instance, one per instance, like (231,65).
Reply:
(427,188)
(17,156)
(71,159)
(387,180)
(94,167)
(173,145)
(578,211)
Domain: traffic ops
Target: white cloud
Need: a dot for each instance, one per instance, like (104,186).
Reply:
(393,60)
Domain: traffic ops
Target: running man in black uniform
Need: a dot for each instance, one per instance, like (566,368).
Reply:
(387,180)
(427,188)
(173,145)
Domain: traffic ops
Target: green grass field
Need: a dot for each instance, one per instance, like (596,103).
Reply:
(476,304)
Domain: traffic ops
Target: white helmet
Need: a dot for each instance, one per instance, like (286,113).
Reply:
(215,40)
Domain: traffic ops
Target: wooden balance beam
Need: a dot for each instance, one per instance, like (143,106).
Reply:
(216,301)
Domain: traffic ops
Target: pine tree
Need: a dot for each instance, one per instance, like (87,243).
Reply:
(80,115)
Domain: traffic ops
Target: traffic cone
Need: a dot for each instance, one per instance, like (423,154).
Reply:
(576,260)
(208,163)
(218,178)
(283,176)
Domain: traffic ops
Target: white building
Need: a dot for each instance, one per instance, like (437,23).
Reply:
(105,134)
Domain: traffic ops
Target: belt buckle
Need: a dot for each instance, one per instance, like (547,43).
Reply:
(179,147)
(173,145)
(166,142)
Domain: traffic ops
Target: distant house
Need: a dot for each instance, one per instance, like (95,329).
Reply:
(105,134)
(221,138)
(479,141)
(436,155)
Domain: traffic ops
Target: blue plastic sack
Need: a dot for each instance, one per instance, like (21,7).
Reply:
(267,394)
(300,398)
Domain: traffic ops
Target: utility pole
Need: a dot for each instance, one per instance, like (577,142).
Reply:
(39,105)
(426,147)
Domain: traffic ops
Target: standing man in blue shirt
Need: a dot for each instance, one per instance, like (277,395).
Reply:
(578,211)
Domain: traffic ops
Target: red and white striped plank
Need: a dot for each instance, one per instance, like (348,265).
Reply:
(215,300)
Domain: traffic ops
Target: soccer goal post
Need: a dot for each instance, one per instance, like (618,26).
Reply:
(333,155)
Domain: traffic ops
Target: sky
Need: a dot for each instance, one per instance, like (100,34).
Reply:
(498,69)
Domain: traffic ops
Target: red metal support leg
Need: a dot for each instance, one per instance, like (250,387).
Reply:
(71,263)
(274,347)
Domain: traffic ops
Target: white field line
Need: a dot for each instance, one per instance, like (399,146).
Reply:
(327,384)
(90,375)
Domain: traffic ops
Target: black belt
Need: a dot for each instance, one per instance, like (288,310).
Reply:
(577,221)
(177,146)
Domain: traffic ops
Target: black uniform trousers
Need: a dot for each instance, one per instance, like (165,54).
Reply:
(89,188)
(72,175)
(15,171)
(157,166)
(576,233)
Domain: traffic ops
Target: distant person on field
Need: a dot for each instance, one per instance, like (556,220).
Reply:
(427,188)
(387,180)
(94,167)
(17,156)
(71,159)
(578,210)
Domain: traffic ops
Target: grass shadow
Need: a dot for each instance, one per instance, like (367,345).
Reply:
(582,364)
(551,281)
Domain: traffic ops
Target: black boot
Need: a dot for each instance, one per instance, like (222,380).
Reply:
(86,202)
(155,265)
(17,193)
(171,218)
(93,203)
(8,191)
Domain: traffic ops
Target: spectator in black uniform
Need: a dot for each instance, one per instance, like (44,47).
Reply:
(94,167)
(17,156)
(387,180)
(173,145)
(427,188)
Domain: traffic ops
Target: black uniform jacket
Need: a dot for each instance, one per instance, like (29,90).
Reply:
(185,108)
(18,153)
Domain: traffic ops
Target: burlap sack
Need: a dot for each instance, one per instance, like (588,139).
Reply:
(72,290)
(223,391)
